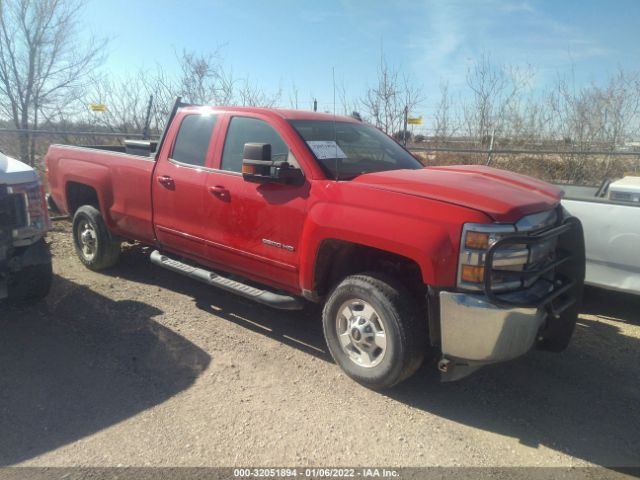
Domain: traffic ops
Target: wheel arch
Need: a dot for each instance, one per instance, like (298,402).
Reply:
(79,194)
(337,259)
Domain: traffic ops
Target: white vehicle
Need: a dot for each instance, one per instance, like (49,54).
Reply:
(610,216)
(25,262)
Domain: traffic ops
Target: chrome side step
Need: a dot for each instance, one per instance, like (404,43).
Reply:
(275,300)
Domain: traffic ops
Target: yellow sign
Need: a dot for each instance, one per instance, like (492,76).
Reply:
(98,107)
(415,120)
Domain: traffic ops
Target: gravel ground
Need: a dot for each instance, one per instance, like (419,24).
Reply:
(138,366)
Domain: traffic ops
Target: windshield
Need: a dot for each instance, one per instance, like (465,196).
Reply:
(346,150)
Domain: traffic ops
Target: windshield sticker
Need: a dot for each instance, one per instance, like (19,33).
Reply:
(324,149)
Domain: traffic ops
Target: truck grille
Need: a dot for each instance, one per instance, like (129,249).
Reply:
(13,213)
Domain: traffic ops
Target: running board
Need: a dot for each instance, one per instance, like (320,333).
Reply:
(275,300)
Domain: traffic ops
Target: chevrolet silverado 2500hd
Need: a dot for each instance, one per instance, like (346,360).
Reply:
(25,263)
(472,264)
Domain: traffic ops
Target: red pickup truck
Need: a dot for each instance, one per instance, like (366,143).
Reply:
(468,264)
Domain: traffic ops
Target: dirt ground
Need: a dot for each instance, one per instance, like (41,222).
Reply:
(138,366)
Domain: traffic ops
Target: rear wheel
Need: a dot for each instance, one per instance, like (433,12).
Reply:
(94,245)
(374,330)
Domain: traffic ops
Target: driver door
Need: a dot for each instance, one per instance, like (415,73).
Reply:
(259,234)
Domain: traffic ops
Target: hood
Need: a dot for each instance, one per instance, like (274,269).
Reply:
(13,171)
(504,196)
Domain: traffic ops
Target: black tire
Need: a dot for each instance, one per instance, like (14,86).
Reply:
(404,324)
(32,283)
(557,335)
(558,331)
(105,250)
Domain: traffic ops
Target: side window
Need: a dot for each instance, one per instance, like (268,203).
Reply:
(193,139)
(251,130)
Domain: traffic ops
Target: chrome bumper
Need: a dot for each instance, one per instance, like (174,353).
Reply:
(475,332)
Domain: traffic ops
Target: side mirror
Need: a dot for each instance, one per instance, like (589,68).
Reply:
(258,167)
(256,162)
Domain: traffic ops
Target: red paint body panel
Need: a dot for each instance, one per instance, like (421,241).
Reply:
(220,220)
(122,183)
(503,195)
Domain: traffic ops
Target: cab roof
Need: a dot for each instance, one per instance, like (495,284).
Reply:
(286,114)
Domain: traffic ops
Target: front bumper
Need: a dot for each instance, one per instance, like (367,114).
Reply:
(12,261)
(477,329)
(475,332)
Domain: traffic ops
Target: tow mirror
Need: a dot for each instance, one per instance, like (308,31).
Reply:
(258,167)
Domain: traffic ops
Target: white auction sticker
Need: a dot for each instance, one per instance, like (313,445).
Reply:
(324,149)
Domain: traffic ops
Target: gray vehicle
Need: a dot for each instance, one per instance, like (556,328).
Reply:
(25,261)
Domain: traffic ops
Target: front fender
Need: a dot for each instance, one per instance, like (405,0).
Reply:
(425,231)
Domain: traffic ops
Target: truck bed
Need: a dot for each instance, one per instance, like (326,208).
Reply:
(588,194)
(612,237)
(120,181)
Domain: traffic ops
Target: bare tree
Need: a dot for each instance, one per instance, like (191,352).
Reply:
(444,124)
(127,100)
(347,105)
(42,63)
(204,80)
(593,116)
(250,94)
(494,89)
(385,103)
(294,96)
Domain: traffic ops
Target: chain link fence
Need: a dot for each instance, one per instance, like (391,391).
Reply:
(40,140)
(584,166)
(547,162)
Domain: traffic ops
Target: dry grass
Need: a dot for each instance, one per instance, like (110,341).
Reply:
(558,168)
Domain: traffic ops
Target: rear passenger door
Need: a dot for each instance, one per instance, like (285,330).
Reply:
(178,189)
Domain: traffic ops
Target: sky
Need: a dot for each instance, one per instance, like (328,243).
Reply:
(281,43)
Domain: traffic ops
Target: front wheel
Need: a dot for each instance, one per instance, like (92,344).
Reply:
(94,245)
(374,330)
(557,335)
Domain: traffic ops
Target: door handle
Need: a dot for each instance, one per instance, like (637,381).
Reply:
(221,192)
(166,182)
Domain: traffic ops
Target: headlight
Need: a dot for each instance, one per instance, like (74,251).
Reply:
(477,238)
(472,274)
(36,215)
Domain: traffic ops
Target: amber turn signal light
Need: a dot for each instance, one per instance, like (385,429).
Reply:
(248,169)
(476,240)
(472,274)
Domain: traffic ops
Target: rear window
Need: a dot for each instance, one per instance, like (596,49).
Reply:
(192,142)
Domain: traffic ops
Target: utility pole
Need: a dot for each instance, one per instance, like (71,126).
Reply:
(490,152)
(404,130)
